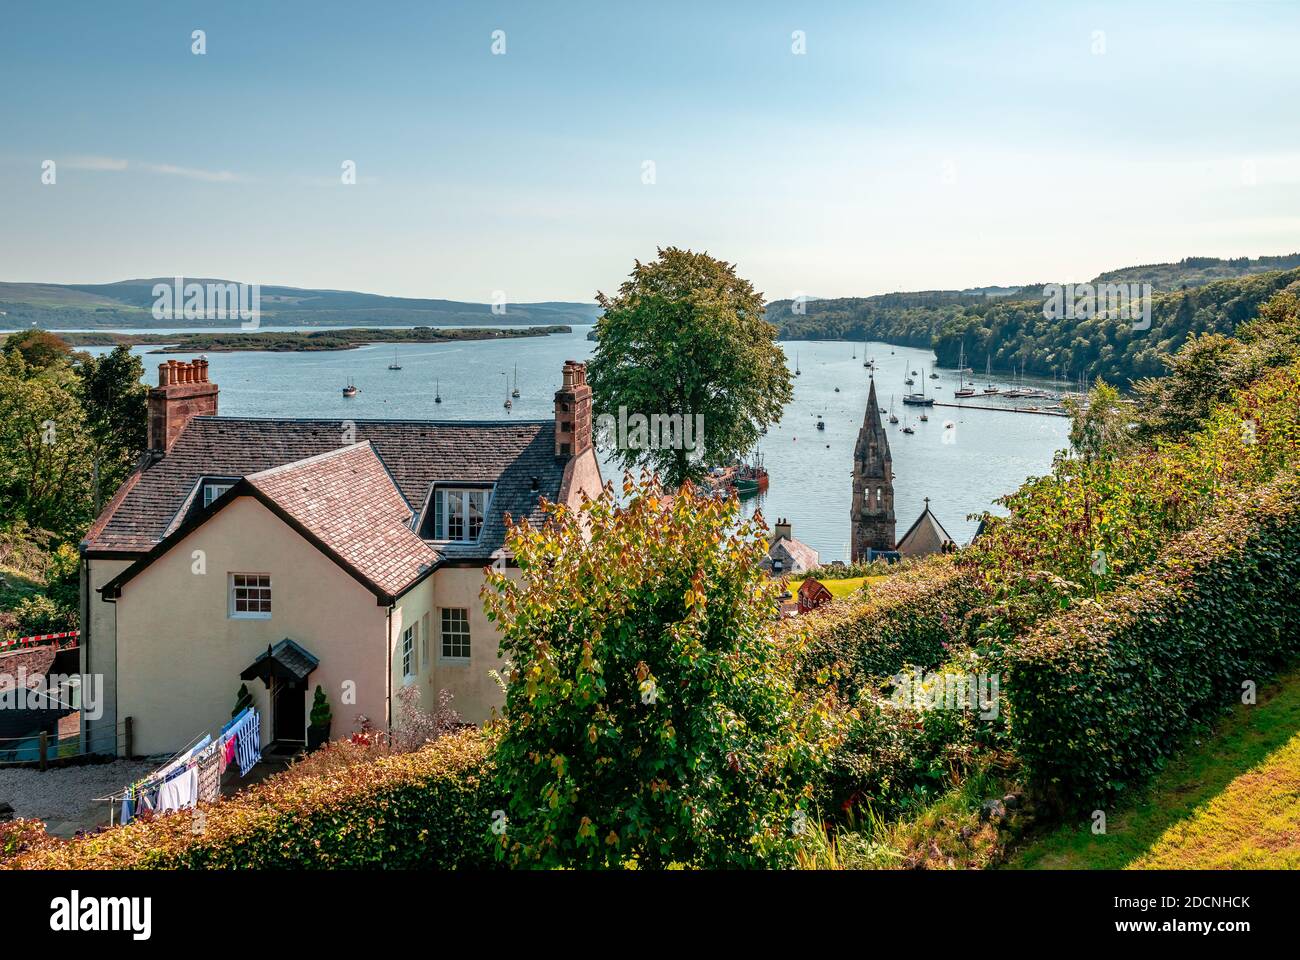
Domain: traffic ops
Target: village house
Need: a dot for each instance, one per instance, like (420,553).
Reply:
(291,553)
(787,555)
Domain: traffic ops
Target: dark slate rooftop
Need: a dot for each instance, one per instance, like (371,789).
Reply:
(416,454)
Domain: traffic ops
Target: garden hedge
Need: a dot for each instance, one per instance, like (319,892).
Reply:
(340,808)
(1102,695)
(911,617)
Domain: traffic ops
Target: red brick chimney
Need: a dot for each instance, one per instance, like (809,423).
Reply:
(183,391)
(573,412)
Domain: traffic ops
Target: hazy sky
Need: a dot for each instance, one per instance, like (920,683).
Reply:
(912,146)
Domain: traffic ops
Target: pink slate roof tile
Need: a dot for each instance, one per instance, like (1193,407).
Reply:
(349,502)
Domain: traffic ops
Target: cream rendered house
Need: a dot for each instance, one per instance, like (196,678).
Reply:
(287,554)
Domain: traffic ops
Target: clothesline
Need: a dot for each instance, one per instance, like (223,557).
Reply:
(194,773)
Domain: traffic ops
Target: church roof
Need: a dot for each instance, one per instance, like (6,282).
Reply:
(925,536)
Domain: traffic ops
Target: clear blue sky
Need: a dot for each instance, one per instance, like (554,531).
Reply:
(914,145)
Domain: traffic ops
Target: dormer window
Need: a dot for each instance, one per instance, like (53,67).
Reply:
(214,489)
(458,513)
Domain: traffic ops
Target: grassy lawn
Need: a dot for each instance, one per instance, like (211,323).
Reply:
(838,588)
(1231,800)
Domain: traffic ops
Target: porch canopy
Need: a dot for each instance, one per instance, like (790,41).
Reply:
(284,661)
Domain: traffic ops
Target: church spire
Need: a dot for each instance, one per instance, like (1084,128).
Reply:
(873,485)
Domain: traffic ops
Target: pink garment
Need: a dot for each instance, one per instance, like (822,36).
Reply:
(228,754)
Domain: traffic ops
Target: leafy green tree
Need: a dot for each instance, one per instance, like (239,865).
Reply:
(116,404)
(39,349)
(1101,427)
(650,715)
(685,336)
(46,458)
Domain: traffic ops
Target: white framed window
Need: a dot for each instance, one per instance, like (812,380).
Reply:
(454,644)
(250,596)
(424,641)
(409,665)
(458,513)
(213,490)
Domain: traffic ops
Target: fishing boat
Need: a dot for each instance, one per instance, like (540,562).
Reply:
(350,390)
(394,365)
(750,479)
(515,392)
(437,391)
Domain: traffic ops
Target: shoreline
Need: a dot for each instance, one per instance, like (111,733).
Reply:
(350,338)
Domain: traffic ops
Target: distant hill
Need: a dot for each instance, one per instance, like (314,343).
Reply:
(129,303)
(1005,326)
(1197,271)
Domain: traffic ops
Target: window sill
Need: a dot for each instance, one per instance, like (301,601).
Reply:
(249,616)
(453,661)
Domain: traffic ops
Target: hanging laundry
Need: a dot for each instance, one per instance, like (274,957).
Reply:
(248,742)
(180,792)
(128,809)
(210,776)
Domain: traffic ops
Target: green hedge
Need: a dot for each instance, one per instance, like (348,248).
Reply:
(1100,696)
(341,808)
(905,619)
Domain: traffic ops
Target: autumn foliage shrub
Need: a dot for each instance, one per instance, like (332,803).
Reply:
(912,617)
(1101,695)
(345,806)
(650,718)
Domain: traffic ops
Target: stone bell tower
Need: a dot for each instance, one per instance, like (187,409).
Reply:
(873,485)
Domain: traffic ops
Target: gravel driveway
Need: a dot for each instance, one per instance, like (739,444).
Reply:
(63,797)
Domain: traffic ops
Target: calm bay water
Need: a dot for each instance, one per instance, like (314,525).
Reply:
(990,452)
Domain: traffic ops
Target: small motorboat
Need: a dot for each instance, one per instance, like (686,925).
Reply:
(934,376)
(909,381)
(821,424)
(837,389)
(350,390)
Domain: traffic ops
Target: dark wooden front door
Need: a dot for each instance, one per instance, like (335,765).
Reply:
(288,711)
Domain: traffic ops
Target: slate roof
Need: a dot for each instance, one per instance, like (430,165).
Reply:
(924,537)
(415,453)
(346,499)
(286,660)
(796,556)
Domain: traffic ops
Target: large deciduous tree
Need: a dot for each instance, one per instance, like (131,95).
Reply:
(115,401)
(46,462)
(685,337)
